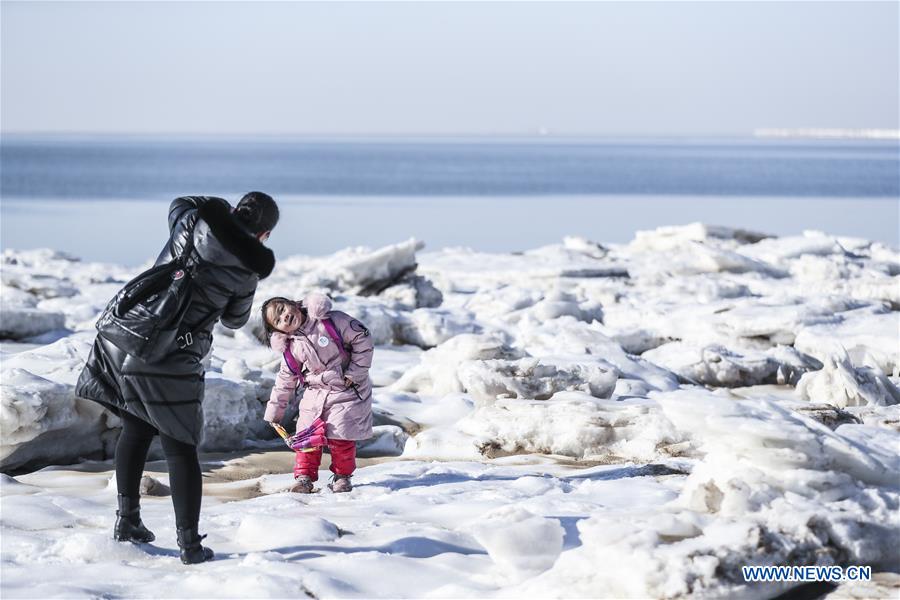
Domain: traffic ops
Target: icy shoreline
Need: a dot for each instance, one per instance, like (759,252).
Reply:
(581,419)
(504,224)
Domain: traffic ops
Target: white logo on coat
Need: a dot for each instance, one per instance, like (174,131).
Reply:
(323,341)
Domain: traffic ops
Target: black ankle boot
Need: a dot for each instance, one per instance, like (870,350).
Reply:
(191,551)
(129,527)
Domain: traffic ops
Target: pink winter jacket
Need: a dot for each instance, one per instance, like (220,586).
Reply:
(347,412)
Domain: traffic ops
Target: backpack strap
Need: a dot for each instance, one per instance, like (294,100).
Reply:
(335,336)
(186,338)
(292,364)
(333,333)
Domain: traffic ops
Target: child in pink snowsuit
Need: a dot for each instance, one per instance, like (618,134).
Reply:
(338,389)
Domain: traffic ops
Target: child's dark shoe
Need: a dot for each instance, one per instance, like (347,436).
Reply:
(303,485)
(340,484)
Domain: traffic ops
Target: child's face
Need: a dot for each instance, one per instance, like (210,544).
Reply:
(284,316)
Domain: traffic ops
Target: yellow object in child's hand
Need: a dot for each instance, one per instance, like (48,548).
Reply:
(281,431)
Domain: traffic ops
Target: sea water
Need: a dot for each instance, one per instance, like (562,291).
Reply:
(105,198)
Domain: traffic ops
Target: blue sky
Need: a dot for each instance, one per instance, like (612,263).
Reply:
(672,68)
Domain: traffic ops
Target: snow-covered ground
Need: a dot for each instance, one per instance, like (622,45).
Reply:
(577,420)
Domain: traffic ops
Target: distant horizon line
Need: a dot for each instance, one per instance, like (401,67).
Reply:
(824,133)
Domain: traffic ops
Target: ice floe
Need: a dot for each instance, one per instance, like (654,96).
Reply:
(580,419)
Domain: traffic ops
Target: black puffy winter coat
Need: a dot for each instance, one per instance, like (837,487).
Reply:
(168,394)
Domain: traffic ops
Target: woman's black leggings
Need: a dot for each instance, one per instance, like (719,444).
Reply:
(184,468)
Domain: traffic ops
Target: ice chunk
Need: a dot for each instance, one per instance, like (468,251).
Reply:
(360,271)
(569,341)
(714,364)
(486,380)
(381,320)
(792,365)
(444,442)
(781,250)
(82,547)
(691,257)
(866,336)
(571,424)
(41,285)
(236,368)
(841,384)
(585,246)
(233,412)
(827,414)
(636,341)
(755,447)
(42,421)
(778,322)
(559,303)
(266,531)
(60,361)
(386,440)
(430,327)
(12,297)
(34,513)
(667,237)
(21,323)
(10,486)
(458,269)
(151,486)
(437,371)
(412,292)
(518,540)
(879,442)
(357,270)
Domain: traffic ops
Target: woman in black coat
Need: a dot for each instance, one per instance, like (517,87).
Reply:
(166,397)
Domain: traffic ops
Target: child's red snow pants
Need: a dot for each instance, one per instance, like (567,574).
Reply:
(343,459)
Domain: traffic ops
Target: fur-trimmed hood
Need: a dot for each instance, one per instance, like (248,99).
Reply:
(279,342)
(230,237)
(318,305)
